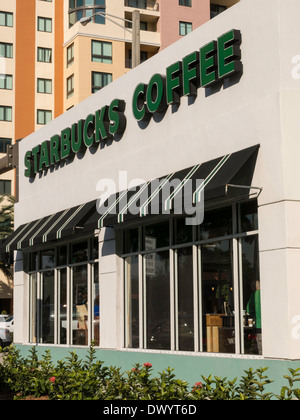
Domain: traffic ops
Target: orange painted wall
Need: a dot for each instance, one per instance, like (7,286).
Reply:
(25,69)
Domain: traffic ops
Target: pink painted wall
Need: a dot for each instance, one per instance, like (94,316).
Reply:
(171,13)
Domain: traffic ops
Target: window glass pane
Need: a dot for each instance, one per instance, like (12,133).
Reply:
(48,259)
(218,298)
(8,113)
(131,241)
(249,217)
(47,303)
(2,19)
(156,236)
(216,223)
(158,300)
(96,298)
(251,296)
(79,252)
(80,306)
(62,255)
(132,302)
(185,299)
(62,306)
(33,333)
(183,233)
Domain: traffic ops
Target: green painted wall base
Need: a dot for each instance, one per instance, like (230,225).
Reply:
(187,367)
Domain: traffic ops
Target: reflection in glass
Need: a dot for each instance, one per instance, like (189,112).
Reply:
(158,300)
(183,233)
(185,299)
(251,296)
(156,236)
(48,259)
(131,241)
(216,223)
(62,306)
(79,252)
(80,305)
(33,333)
(218,298)
(96,299)
(47,307)
(132,302)
(249,216)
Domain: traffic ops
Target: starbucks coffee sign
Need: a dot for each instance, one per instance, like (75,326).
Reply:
(210,65)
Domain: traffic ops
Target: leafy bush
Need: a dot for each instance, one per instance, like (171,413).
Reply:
(89,379)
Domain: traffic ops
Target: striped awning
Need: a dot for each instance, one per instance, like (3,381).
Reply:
(56,226)
(166,194)
(161,196)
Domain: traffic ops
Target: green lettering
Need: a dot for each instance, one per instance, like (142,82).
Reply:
(229,53)
(89,130)
(139,109)
(208,64)
(117,117)
(28,164)
(65,146)
(54,150)
(174,83)
(35,154)
(190,70)
(44,156)
(156,96)
(77,144)
(101,124)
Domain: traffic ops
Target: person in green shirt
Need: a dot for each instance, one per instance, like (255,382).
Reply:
(254,310)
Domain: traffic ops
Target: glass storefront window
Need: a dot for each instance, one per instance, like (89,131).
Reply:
(96,307)
(218,298)
(79,305)
(47,309)
(202,291)
(48,259)
(62,307)
(132,302)
(216,223)
(158,301)
(156,236)
(59,312)
(79,252)
(252,328)
(185,299)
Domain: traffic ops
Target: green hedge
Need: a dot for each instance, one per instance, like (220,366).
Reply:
(89,379)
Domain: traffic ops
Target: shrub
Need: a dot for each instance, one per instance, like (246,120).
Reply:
(89,379)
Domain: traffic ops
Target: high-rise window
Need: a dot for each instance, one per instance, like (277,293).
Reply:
(5,113)
(187,3)
(6,81)
(102,52)
(44,85)
(43,116)
(6,19)
(6,50)
(44,24)
(70,55)
(99,80)
(4,142)
(44,55)
(85,8)
(185,28)
(70,86)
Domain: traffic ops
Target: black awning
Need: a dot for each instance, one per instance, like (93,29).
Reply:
(225,176)
(56,226)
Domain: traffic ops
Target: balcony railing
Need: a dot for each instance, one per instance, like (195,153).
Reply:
(150,5)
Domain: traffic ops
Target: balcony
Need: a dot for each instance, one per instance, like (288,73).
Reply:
(150,5)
